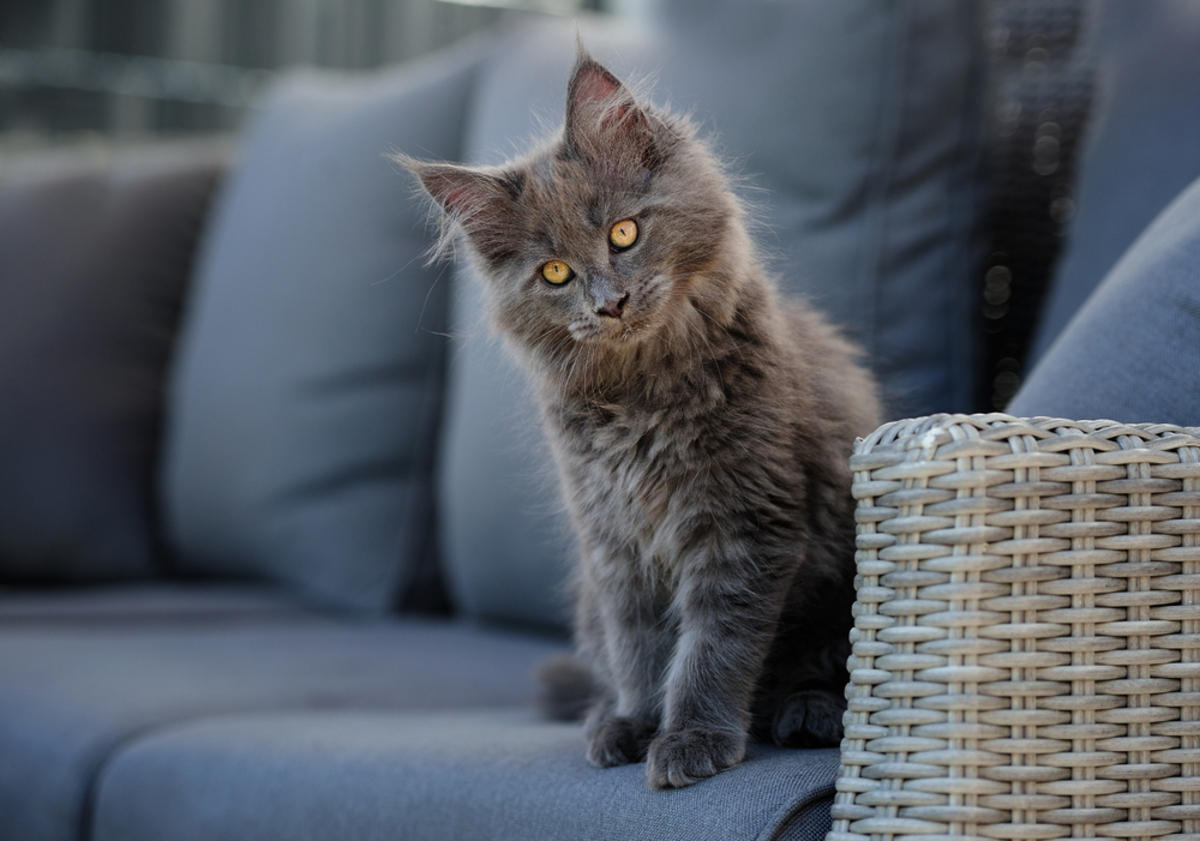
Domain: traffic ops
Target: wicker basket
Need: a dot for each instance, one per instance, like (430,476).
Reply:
(1027,636)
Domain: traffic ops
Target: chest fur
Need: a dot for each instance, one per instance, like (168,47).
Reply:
(657,482)
(626,481)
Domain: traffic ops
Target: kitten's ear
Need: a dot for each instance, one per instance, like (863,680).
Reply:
(462,192)
(605,124)
(482,201)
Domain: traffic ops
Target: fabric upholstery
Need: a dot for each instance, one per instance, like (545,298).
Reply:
(856,127)
(95,252)
(1143,143)
(307,393)
(1132,351)
(336,776)
(74,692)
(138,602)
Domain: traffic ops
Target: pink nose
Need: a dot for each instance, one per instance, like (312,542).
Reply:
(613,308)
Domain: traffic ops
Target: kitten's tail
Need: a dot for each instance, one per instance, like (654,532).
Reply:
(568,688)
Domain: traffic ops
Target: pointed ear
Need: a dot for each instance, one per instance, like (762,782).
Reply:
(605,125)
(462,192)
(482,201)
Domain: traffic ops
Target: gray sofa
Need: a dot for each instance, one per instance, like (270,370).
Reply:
(279,544)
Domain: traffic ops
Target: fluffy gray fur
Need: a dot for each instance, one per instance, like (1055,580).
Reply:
(700,425)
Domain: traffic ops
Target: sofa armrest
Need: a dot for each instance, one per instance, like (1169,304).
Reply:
(1027,631)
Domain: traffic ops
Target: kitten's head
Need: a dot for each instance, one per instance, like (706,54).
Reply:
(609,234)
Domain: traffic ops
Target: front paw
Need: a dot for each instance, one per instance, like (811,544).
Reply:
(619,740)
(682,757)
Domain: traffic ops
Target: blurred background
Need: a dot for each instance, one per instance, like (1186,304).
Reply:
(137,68)
(131,70)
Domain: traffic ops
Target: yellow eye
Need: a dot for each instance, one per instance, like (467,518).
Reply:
(623,234)
(557,272)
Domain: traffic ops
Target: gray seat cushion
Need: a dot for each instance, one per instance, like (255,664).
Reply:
(73,691)
(306,395)
(496,775)
(857,125)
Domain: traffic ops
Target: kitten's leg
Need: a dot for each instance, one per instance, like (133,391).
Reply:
(726,624)
(808,662)
(628,641)
(615,739)
(810,718)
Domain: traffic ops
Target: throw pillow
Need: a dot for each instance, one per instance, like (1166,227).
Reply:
(306,397)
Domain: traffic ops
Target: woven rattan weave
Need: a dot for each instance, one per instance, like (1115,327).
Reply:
(1027,632)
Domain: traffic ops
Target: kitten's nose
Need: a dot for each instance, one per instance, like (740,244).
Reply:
(612,307)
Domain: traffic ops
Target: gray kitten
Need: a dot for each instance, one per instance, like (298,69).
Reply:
(700,425)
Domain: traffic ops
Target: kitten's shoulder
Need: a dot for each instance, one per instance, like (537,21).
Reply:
(834,365)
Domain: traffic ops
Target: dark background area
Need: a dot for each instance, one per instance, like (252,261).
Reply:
(148,67)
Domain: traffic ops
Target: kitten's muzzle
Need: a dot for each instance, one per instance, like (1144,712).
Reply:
(608,300)
(612,308)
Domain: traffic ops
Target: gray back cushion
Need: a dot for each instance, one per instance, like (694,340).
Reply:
(857,126)
(306,395)
(95,253)
(1143,144)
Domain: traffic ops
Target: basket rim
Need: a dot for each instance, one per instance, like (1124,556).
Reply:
(931,431)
